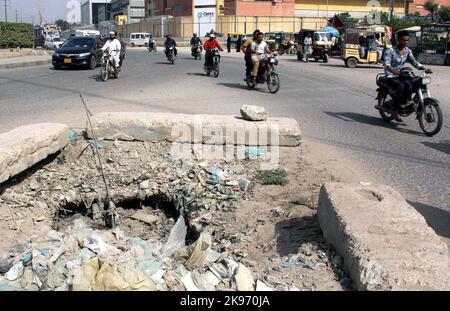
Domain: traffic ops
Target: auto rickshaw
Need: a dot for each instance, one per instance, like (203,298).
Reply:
(321,44)
(234,38)
(274,40)
(357,46)
(288,44)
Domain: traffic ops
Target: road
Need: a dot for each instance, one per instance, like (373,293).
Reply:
(333,104)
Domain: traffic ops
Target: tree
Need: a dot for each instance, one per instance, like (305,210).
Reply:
(64,25)
(432,8)
(444,13)
(347,19)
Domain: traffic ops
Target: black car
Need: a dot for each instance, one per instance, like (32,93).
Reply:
(79,52)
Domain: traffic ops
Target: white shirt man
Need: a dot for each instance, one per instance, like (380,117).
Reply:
(114,47)
(260,49)
(307,45)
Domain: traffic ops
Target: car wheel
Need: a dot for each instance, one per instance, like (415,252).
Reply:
(57,67)
(132,45)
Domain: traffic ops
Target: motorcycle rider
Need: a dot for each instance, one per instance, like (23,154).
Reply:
(114,47)
(259,49)
(195,41)
(123,49)
(394,60)
(208,46)
(168,43)
(151,43)
(246,49)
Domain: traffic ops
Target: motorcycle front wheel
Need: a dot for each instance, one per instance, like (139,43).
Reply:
(216,70)
(273,83)
(430,117)
(104,73)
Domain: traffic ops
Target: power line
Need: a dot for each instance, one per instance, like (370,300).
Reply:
(6,2)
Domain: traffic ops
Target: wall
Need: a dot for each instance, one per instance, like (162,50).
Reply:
(266,8)
(357,8)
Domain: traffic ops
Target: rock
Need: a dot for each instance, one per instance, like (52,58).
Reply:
(158,127)
(244,279)
(145,217)
(245,184)
(5,265)
(25,146)
(253,113)
(384,242)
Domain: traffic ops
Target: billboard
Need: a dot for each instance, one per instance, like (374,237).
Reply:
(204,16)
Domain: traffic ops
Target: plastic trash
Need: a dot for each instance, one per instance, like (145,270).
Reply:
(253,152)
(200,252)
(15,272)
(148,266)
(189,283)
(177,237)
(262,287)
(9,288)
(244,279)
(73,136)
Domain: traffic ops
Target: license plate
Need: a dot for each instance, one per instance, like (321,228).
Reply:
(67,60)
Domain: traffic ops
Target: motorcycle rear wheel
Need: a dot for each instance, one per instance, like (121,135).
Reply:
(387,117)
(428,116)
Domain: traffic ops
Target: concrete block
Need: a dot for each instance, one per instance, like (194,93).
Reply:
(207,129)
(25,146)
(385,243)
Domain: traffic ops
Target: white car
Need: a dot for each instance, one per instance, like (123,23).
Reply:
(139,39)
(53,43)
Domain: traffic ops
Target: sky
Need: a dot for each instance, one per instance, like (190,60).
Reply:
(27,9)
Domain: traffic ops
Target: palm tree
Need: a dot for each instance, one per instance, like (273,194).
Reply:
(431,7)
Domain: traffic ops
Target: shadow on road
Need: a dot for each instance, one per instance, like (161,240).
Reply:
(198,74)
(162,63)
(436,218)
(234,85)
(443,146)
(293,233)
(359,66)
(362,118)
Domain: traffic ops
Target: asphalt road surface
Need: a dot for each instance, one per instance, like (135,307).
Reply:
(333,104)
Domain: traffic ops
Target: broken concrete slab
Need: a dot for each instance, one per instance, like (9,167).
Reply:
(186,128)
(253,113)
(386,244)
(25,146)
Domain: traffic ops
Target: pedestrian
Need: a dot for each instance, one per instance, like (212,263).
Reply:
(229,43)
(239,43)
(306,47)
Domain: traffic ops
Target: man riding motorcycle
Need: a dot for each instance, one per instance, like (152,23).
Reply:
(123,49)
(259,49)
(114,47)
(168,43)
(208,46)
(394,60)
(246,49)
(195,41)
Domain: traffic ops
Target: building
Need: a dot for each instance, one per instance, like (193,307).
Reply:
(134,10)
(356,8)
(417,6)
(95,11)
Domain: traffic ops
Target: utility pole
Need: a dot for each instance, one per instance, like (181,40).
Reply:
(5,2)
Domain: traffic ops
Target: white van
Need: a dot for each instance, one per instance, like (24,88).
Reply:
(87,32)
(139,39)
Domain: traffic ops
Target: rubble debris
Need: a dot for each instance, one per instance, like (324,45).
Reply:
(244,279)
(253,113)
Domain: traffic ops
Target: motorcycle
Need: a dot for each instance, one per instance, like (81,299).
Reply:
(197,51)
(214,65)
(152,45)
(171,55)
(266,74)
(419,101)
(108,67)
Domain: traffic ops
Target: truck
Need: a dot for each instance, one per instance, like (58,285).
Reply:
(45,32)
